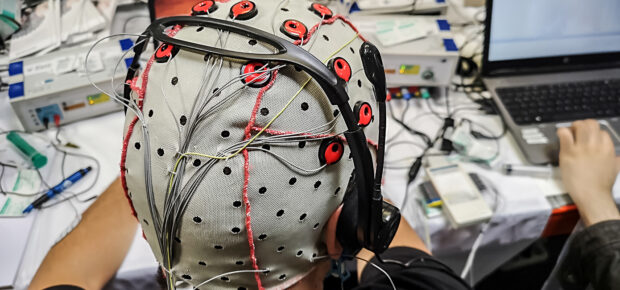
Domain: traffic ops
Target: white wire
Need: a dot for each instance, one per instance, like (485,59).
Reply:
(117,96)
(469,263)
(230,273)
(380,269)
(472,254)
(161,87)
(300,169)
(114,97)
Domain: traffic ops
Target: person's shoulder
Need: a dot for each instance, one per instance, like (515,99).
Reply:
(409,268)
(597,236)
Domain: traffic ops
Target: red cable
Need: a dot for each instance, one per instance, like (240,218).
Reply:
(57,120)
(123,168)
(246,179)
(328,21)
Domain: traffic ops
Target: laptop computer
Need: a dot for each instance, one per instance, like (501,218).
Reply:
(548,63)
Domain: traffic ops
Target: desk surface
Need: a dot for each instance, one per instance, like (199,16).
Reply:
(101,138)
(519,221)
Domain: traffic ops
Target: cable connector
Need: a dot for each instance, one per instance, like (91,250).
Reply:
(425,94)
(57,120)
(406,93)
(448,123)
(446,145)
(46,122)
(414,169)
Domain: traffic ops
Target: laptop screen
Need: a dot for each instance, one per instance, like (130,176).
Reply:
(528,29)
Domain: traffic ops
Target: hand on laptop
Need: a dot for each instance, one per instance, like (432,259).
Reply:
(589,167)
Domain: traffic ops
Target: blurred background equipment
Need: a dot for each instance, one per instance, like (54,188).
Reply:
(10,19)
(416,50)
(55,86)
(400,6)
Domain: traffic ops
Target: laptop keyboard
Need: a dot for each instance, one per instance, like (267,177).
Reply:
(562,101)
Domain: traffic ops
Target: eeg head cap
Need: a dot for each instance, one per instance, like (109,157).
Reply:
(249,138)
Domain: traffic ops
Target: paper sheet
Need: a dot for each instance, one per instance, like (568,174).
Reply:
(79,18)
(27,182)
(40,32)
(392,32)
(14,226)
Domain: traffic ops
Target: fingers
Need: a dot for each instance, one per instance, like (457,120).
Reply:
(587,132)
(567,141)
(605,141)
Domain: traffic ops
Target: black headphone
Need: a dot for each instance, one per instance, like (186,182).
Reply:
(366,220)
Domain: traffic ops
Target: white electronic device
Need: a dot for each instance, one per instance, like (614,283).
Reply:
(461,199)
(402,6)
(416,50)
(54,86)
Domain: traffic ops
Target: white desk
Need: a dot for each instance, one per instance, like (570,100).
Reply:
(520,218)
(518,222)
(99,137)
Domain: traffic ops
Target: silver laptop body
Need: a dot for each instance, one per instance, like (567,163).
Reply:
(549,63)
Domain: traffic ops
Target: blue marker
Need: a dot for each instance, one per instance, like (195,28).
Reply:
(58,189)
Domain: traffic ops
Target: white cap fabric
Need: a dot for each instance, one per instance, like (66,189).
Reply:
(261,205)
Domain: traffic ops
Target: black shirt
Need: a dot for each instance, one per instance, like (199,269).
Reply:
(420,271)
(593,258)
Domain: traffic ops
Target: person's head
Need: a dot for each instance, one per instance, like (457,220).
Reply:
(237,165)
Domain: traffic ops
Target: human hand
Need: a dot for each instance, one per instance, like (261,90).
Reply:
(589,167)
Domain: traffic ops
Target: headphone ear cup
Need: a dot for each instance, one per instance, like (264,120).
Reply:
(390,220)
(346,230)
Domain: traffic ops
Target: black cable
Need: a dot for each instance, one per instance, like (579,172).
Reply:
(404,113)
(75,195)
(58,133)
(417,164)
(10,19)
(424,137)
(65,154)
(479,135)
(430,108)
(1,176)
(42,179)
(8,165)
(448,102)
(3,165)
